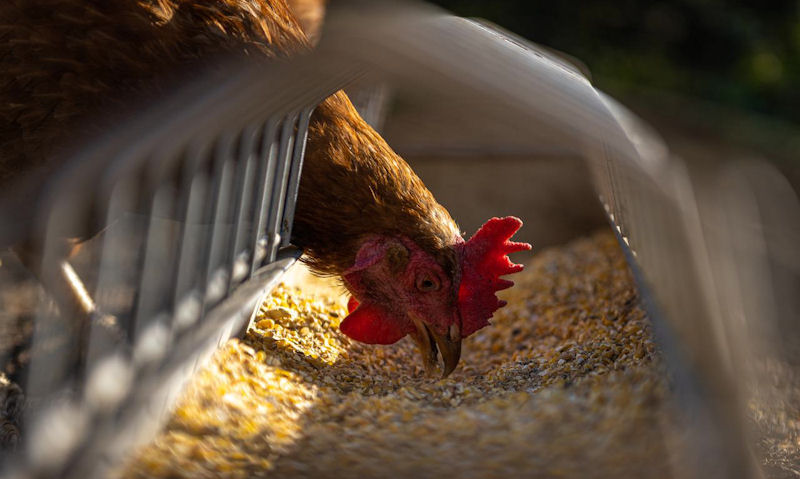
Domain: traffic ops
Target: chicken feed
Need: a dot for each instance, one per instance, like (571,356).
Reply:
(566,382)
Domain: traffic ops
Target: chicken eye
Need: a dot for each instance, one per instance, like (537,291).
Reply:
(426,284)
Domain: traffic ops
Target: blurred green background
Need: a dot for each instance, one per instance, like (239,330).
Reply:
(727,69)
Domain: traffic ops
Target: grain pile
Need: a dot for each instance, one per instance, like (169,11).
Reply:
(566,382)
(774,410)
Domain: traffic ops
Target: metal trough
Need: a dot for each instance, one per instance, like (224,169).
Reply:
(212,175)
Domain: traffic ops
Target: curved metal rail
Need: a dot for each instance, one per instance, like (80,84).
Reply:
(194,200)
(226,155)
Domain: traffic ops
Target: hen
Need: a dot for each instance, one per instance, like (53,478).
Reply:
(362,214)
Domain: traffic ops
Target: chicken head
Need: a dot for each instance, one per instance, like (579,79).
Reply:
(399,289)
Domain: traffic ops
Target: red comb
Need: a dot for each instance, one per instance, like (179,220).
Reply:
(484,260)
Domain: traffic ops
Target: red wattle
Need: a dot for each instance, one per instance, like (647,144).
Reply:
(371,324)
(352,304)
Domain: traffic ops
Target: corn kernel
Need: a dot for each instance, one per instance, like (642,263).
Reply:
(559,383)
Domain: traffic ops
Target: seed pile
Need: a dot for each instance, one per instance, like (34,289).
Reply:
(565,382)
(774,410)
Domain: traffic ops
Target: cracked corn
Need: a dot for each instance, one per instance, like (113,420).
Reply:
(565,382)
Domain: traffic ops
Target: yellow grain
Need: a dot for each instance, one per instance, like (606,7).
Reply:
(565,382)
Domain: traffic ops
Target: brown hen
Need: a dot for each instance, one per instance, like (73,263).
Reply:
(362,214)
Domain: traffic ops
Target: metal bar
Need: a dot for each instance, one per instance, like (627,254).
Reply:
(216,276)
(186,302)
(115,289)
(239,254)
(285,152)
(158,262)
(267,170)
(294,177)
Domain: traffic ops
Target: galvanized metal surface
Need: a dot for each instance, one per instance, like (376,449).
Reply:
(193,214)
(218,193)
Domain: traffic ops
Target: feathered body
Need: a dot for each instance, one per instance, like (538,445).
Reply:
(64,64)
(355,179)
(361,214)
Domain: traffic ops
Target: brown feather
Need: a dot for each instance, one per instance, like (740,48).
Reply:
(310,15)
(354,186)
(65,63)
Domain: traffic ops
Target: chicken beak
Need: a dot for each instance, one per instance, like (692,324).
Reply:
(430,343)
(450,346)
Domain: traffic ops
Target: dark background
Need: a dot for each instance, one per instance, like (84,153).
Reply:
(728,71)
(742,54)
(717,80)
